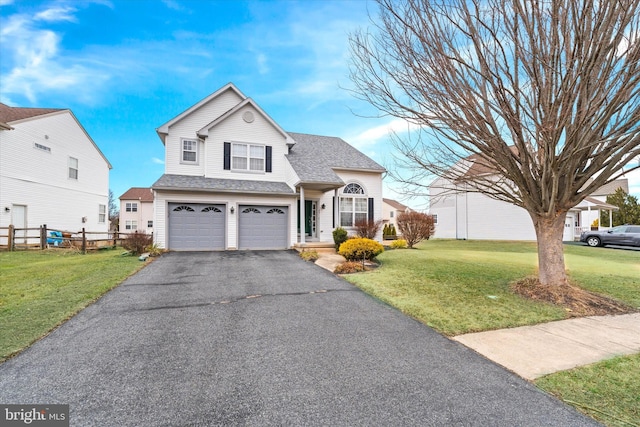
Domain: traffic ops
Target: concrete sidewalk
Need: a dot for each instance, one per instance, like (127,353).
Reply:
(534,351)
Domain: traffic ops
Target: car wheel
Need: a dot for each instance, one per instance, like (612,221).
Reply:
(593,241)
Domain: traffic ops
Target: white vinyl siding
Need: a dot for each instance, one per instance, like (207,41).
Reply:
(41,179)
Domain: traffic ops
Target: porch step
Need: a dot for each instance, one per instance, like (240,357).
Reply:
(314,245)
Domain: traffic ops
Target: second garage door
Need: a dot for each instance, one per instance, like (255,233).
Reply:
(263,227)
(196,227)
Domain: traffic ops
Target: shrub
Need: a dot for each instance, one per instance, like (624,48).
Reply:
(309,255)
(349,267)
(366,228)
(399,244)
(340,236)
(360,249)
(415,227)
(137,243)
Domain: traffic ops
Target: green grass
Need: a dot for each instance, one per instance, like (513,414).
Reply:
(608,391)
(458,287)
(41,289)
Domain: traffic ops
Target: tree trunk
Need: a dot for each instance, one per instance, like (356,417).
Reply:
(551,269)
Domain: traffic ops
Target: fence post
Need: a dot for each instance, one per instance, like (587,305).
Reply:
(43,236)
(11,237)
(84,241)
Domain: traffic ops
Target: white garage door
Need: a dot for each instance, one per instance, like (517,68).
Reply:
(196,227)
(263,227)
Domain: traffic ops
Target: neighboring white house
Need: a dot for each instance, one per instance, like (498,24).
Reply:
(390,211)
(51,172)
(464,214)
(234,179)
(136,210)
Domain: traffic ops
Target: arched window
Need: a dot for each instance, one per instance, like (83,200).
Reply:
(353,205)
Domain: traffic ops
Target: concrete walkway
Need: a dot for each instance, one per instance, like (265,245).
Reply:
(534,351)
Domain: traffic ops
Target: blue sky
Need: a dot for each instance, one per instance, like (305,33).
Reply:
(125,67)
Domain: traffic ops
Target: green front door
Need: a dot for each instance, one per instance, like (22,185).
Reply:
(308,217)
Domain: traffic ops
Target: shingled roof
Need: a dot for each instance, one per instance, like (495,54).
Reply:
(144,194)
(315,157)
(11,114)
(199,183)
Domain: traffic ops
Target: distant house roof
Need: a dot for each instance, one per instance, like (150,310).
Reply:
(315,158)
(396,205)
(199,183)
(11,114)
(611,187)
(144,194)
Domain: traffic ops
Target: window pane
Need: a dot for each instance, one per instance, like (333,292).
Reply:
(239,163)
(188,145)
(346,219)
(361,217)
(240,150)
(361,205)
(189,156)
(257,151)
(346,204)
(257,164)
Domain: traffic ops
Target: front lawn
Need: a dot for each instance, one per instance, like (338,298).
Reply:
(608,391)
(458,287)
(41,289)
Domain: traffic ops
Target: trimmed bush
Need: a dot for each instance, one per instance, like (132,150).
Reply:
(360,249)
(309,255)
(398,244)
(340,236)
(349,267)
(415,227)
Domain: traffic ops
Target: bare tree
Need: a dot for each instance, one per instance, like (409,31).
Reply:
(532,102)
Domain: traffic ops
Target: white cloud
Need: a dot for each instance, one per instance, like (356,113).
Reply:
(374,134)
(157,161)
(56,14)
(5,2)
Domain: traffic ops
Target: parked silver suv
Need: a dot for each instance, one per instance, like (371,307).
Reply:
(623,235)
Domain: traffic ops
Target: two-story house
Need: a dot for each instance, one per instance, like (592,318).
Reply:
(51,172)
(465,214)
(136,210)
(390,211)
(234,179)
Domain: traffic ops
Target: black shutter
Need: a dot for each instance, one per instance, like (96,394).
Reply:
(268,158)
(370,208)
(227,156)
(334,211)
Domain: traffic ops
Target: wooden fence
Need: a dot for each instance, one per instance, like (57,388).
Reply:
(12,239)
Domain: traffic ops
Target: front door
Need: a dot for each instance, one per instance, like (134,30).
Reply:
(19,221)
(309,217)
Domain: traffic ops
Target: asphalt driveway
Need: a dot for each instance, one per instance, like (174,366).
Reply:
(263,338)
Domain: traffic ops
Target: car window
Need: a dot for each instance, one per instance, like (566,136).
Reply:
(633,230)
(619,229)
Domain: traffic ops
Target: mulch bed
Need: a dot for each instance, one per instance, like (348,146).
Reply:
(576,301)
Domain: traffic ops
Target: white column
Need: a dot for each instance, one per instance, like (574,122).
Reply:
(610,219)
(302,217)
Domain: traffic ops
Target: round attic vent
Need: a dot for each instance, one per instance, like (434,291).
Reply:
(247,116)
